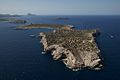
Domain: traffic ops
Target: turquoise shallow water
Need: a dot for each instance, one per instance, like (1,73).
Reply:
(21,58)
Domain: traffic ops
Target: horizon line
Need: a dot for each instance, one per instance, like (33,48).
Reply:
(63,14)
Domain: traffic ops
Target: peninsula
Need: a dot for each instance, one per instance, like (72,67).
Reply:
(76,48)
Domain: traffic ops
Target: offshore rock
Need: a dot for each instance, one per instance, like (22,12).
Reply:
(76,48)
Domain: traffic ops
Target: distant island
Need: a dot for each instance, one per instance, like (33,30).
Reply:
(30,14)
(16,15)
(13,20)
(62,18)
(53,26)
(3,20)
(9,15)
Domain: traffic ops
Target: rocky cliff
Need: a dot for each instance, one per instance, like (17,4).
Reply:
(76,48)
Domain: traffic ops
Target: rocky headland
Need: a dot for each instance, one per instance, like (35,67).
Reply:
(76,48)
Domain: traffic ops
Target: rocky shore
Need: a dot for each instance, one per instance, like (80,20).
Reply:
(76,48)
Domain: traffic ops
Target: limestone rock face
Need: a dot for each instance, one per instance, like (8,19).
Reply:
(76,48)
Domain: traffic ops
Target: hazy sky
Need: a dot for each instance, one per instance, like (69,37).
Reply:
(61,7)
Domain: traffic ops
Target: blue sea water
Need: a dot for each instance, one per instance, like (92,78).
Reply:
(21,58)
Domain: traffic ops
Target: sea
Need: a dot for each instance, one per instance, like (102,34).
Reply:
(21,58)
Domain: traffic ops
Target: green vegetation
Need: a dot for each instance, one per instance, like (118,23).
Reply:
(73,40)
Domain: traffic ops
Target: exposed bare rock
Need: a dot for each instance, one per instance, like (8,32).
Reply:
(76,48)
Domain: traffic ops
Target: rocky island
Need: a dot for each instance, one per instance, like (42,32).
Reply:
(62,18)
(76,48)
(53,26)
